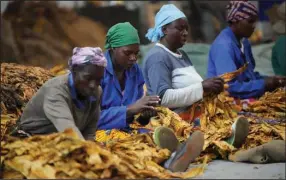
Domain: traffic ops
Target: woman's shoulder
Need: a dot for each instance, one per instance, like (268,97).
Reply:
(156,55)
(155,51)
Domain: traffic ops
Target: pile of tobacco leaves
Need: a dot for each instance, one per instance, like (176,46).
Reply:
(64,155)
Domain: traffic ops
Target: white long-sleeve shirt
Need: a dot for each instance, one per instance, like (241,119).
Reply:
(173,77)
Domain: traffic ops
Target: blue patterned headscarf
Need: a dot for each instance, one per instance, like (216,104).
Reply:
(167,14)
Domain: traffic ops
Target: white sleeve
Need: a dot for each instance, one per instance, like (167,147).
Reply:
(176,98)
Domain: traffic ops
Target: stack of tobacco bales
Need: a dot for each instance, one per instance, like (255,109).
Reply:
(39,33)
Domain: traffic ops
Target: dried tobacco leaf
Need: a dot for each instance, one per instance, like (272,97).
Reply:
(18,84)
(231,75)
(64,155)
(271,105)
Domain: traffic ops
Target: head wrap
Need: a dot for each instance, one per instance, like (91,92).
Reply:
(121,34)
(167,14)
(87,55)
(240,10)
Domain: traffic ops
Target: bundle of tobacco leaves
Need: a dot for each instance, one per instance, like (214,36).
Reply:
(40,33)
(18,84)
(64,155)
(8,122)
(261,133)
(271,105)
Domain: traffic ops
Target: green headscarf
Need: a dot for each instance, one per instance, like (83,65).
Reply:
(121,34)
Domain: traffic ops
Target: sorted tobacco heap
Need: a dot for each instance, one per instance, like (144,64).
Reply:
(261,133)
(271,105)
(7,124)
(61,155)
(267,118)
(18,84)
(40,33)
(64,155)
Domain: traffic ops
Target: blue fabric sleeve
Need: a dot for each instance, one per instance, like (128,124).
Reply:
(223,58)
(160,78)
(113,118)
(245,90)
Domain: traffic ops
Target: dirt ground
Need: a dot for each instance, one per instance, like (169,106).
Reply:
(220,169)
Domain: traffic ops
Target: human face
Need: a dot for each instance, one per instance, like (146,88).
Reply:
(247,26)
(126,56)
(87,78)
(176,33)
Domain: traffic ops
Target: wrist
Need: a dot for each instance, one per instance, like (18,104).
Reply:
(130,111)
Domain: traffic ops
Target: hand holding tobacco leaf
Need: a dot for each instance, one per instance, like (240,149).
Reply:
(146,115)
(213,85)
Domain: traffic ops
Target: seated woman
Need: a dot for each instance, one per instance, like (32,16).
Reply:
(122,85)
(168,71)
(123,97)
(68,101)
(231,50)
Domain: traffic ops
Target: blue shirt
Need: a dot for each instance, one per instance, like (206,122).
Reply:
(226,56)
(114,103)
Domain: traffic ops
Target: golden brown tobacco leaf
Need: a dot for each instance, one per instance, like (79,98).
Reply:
(270,105)
(231,75)
(8,122)
(219,113)
(170,119)
(18,84)
(64,155)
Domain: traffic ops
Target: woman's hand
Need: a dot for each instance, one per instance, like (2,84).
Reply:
(274,82)
(213,85)
(146,115)
(146,102)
